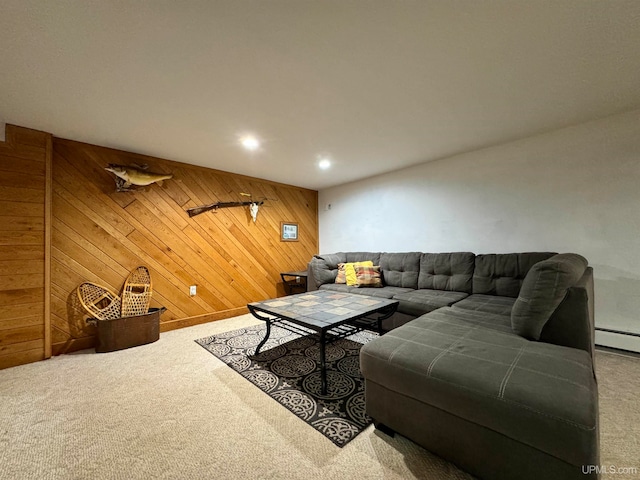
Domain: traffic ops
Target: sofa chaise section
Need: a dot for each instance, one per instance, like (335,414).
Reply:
(495,383)
(461,381)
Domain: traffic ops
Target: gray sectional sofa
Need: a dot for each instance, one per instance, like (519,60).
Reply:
(489,361)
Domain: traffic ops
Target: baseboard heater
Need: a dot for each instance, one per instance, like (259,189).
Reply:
(609,337)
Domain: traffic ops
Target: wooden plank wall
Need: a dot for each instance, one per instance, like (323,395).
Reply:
(99,235)
(25,162)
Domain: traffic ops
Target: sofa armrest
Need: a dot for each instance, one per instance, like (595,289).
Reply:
(323,269)
(311,283)
(572,323)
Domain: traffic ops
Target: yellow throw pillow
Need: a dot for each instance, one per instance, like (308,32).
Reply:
(350,271)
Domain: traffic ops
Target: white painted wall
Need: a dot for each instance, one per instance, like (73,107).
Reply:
(2,132)
(570,190)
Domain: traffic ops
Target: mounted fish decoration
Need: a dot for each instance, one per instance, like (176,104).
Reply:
(126,177)
(252,204)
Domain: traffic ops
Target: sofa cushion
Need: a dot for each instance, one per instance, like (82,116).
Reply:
(368,277)
(544,287)
(362,257)
(487,303)
(384,292)
(419,302)
(447,271)
(471,364)
(400,269)
(502,274)
(325,267)
(337,287)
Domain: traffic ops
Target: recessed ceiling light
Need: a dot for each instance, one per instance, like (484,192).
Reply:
(250,142)
(324,163)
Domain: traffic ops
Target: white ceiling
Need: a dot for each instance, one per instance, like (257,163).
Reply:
(377,84)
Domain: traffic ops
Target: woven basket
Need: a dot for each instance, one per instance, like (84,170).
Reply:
(136,293)
(99,301)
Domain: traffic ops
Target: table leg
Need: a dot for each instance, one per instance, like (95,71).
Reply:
(383,315)
(323,366)
(266,337)
(267,321)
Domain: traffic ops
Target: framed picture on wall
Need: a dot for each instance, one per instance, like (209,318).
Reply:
(288,232)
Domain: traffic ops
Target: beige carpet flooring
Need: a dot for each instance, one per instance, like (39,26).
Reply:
(171,410)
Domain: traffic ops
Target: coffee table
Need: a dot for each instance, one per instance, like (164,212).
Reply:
(326,314)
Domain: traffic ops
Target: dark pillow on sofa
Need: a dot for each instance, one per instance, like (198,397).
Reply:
(544,287)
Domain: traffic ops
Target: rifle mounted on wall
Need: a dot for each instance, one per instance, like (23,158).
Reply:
(215,206)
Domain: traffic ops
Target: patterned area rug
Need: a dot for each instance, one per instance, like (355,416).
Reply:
(288,370)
